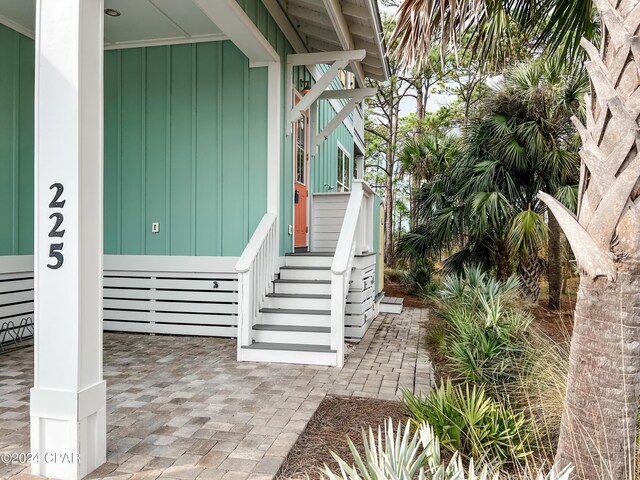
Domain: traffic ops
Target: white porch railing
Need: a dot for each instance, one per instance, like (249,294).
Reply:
(356,238)
(256,269)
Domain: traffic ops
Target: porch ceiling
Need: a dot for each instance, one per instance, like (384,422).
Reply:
(313,23)
(141,21)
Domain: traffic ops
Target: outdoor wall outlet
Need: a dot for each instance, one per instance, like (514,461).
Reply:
(290,229)
(155,227)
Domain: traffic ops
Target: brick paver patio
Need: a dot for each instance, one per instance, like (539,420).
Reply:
(183,408)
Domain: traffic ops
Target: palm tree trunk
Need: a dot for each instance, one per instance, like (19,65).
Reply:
(597,432)
(598,429)
(529,271)
(554,262)
(503,265)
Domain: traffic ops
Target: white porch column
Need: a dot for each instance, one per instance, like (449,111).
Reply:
(68,401)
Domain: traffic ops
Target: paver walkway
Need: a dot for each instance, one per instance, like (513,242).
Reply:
(184,408)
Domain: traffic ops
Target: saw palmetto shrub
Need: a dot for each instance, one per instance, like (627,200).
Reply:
(485,334)
(469,421)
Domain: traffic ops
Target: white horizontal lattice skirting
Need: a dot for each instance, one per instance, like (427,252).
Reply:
(172,295)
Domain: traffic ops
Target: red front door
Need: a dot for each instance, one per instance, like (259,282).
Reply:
(301,181)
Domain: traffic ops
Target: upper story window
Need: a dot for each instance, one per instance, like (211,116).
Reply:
(344,173)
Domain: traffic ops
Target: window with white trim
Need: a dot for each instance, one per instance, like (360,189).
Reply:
(344,176)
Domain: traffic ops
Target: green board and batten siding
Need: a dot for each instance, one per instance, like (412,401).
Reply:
(16,142)
(185,146)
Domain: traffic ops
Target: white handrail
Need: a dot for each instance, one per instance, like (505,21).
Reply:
(257,239)
(355,237)
(256,269)
(347,232)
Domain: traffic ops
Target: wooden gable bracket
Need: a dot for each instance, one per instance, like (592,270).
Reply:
(356,96)
(338,61)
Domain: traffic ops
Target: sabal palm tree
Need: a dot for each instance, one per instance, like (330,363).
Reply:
(598,430)
(521,142)
(425,156)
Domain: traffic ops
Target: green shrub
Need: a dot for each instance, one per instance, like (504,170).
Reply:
(394,275)
(488,345)
(472,289)
(405,456)
(418,277)
(468,421)
(485,328)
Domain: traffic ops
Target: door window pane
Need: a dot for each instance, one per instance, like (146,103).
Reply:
(300,151)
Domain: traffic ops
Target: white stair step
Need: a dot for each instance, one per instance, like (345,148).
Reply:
(308,260)
(318,287)
(284,316)
(292,334)
(289,353)
(297,301)
(305,273)
(391,305)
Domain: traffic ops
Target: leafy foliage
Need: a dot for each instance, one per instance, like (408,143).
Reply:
(521,142)
(468,421)
(485,338)
(498,30)
(404,455)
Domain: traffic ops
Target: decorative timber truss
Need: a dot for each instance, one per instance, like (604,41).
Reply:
(336,61)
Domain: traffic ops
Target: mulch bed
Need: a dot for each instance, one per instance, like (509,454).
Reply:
(397,290)
(336,419)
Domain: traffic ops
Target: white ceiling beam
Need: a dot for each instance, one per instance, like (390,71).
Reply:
(362,31)
(281,18)
(298,59)
(334,9)
(355,11)
(320,31)
(309,16)
(370,64)
(321,34)
(347,93)
(236,25)
(321,45)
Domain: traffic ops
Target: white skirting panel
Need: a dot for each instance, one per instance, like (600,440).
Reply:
(171,295)
(16,293)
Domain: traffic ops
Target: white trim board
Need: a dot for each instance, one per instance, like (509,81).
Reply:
(17,27)
(166,263)
(16,264)
(218,37)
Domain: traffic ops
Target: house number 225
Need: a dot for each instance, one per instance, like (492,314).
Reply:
(55,249)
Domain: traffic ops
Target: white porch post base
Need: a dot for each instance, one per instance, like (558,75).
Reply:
(68,431)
